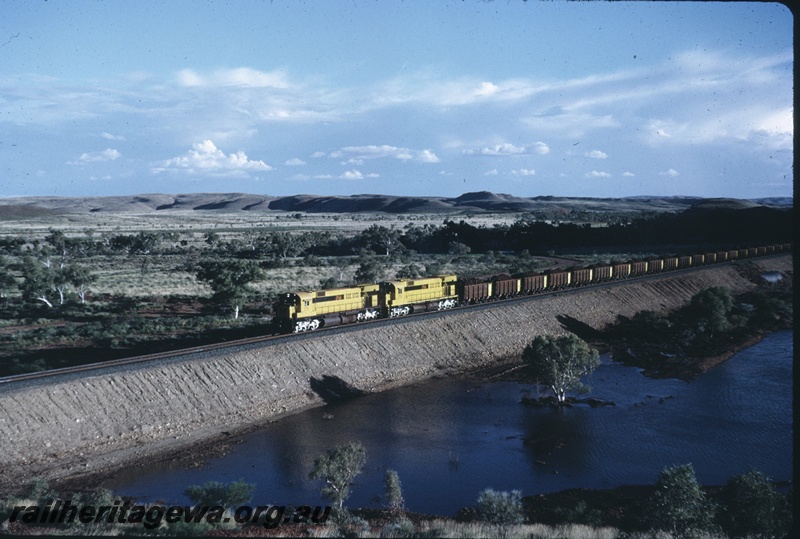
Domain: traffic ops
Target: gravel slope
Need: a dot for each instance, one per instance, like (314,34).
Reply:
(76,425)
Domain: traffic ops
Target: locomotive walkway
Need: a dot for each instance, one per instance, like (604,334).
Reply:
(80,424)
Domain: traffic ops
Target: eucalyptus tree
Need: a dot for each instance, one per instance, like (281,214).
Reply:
(560,362)
(229,279)
(339,467)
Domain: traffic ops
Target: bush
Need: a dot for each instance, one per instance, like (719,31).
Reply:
(499,507)
(679,505)
(752,508)
(218,493)
(393,491)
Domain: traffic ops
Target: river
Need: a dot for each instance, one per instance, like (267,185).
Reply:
(448,439)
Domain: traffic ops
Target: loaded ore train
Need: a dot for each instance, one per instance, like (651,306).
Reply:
(306,311)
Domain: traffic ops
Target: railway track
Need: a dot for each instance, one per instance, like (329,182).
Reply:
(274,338)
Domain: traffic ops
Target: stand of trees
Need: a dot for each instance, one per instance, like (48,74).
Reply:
(710,324)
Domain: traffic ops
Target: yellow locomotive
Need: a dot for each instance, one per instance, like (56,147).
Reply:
(307,311)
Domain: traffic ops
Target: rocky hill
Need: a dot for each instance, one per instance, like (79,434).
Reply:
(477,202)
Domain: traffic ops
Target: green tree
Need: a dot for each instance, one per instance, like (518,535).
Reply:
(711,309)
(38,280)
(369,271)
(457,248)
(394,492)
(387,239)
(286,244)
(338,467)
(7,281)
(410,271)
(80,277)
(560,362)
(217,493)
(229,279)
(679,505)
(499,507)
(751,507)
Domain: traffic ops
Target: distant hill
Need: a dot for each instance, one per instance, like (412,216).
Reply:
(477,202)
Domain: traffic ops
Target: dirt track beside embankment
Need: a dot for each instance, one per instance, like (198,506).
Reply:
(81,425)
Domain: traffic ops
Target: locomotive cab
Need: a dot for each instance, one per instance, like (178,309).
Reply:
(285,312)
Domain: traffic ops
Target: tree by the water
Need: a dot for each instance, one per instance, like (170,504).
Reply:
(678,504)
(339,467)
(560,362)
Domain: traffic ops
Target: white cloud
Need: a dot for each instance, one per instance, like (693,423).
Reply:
(385,151)
(628,174)
(109,154)
(206,158)
(503,149)
(670,172)
(109,136)
(506,148)
(596,154)
(357,175)
(540,147)
(425,88)
(294,162)
(241,77)
(492,172)
(524,172)
(597,174)
(427,156)
(352,175)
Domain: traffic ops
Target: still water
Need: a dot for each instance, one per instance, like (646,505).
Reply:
(451,438)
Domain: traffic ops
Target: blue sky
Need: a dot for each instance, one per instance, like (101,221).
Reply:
(419,97)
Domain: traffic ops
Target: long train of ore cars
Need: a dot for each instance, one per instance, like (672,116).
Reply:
(307,311)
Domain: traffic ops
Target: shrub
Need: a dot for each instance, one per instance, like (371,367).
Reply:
(679,505)
(393,491)
(752,508)
(499,507)
(218,493)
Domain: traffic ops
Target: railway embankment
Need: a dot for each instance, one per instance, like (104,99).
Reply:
(79,425)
